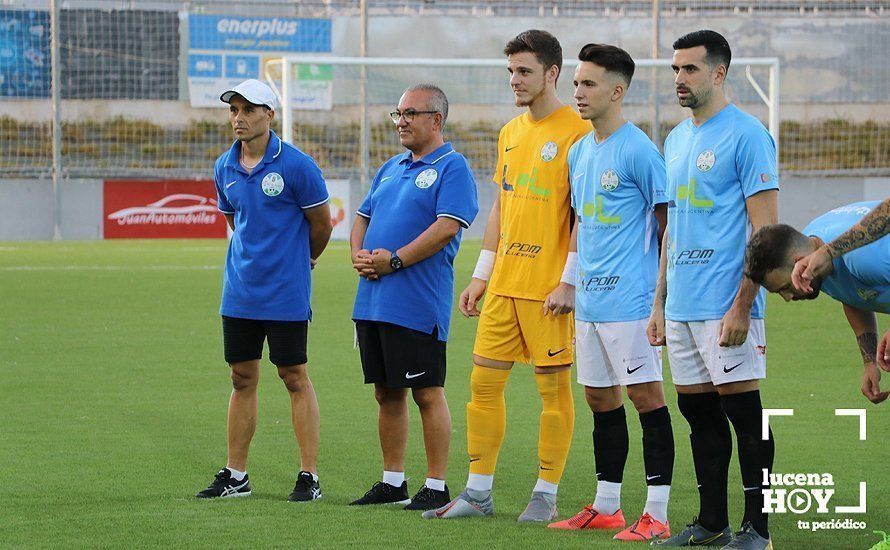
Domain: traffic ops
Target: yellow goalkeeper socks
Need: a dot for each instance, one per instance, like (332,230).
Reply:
(557,423)
(486,418)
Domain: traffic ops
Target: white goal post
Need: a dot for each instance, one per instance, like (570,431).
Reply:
(358,85)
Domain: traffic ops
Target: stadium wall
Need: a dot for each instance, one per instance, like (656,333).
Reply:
(26,204)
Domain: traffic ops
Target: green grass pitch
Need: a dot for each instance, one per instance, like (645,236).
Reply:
(113,402)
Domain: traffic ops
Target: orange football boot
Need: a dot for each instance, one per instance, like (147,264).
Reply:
(589,518)
(645,528)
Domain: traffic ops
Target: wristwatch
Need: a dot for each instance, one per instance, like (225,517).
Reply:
(395,262)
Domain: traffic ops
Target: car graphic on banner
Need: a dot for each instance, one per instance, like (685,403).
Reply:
(161,209)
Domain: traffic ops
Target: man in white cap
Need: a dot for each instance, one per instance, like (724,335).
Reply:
(275,200)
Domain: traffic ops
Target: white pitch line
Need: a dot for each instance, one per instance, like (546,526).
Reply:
(111,268)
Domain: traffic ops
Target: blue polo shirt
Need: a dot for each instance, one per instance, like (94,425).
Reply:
(861,277)
(267,275)
(407,197)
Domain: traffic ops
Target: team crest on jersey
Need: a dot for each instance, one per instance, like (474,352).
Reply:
(706,160)
(426,178)
(273,184)
(609,180)
(549,151)
(867,294)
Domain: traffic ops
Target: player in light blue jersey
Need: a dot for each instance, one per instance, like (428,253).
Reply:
(860,279)
(722,186)
(618,194)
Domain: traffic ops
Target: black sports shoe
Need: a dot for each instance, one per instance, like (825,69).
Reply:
(306,489)
(429,499)
(384,493)
(225,486)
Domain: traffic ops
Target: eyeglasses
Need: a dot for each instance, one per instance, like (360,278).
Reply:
(408,115)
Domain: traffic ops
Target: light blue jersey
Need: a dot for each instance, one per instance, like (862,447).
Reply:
(615,187)
(861,278)
(712,169)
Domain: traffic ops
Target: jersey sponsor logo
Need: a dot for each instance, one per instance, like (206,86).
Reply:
(549,151)
(522,250)
(384,178)
(273,184)
(688,193)
(426,178)
(528,181)
(597,211)
(531,181)
(867,294)
(705,160)
(694,256)
(609,180)
(602,283)
(508,149)
(231,183)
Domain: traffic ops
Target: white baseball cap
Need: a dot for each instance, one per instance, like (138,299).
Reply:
(254,91)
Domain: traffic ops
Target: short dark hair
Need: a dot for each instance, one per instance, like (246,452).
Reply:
(715,44)
(544,45)
(437,99)
(771,248)
(612,58)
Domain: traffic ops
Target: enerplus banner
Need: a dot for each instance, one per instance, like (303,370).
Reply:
(227,49)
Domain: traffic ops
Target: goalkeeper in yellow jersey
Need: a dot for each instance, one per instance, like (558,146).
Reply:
(530,274)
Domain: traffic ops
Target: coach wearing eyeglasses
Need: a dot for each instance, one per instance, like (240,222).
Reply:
(404,240)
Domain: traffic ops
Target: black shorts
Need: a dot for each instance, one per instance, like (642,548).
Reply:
(399,357)
(243,340)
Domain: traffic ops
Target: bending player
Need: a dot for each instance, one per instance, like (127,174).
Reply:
(618,192)
(530,294)
(860,279)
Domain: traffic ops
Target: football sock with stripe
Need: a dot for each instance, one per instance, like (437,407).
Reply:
(610,448)
(486,418)
(745,412)
(711,450)
(658,459)
(557,423)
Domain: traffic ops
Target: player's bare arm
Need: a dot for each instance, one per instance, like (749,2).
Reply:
(468,304)
(873,226)
(762,210)
(655,328)
(230,219)
(361,257)
(865,327)
(320,228)
(884,352)
(562,299)
(427,244)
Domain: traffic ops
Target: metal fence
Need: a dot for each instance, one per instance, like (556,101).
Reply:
(125,104)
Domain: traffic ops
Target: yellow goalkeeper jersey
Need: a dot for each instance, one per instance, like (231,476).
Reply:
(532,174)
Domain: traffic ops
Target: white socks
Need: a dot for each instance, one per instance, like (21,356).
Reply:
(545,487)
(480,482)
(657,502)
(608,497)
(435,484)
(393,478)
(237,475)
